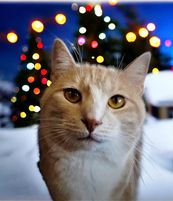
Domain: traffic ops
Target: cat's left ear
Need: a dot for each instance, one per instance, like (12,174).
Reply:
(136,71)
(61,59)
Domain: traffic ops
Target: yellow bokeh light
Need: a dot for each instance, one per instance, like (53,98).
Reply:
(23,115)
(37,26)
(13,99)
(143,32)
(37,66)
(49,83)
(155,41)
(155,71)
(100,59)
(112,2)
(12,37)
(31,108)
(131,37)
(60,18)
(35,56)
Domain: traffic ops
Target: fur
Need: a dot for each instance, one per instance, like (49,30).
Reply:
(81,170)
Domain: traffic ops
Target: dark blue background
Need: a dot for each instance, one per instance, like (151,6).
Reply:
(18,17)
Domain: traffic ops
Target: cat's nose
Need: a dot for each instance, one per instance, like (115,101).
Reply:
(91,124)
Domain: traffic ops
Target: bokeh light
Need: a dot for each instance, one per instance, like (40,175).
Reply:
(107,19)
(30,66)
(168,43)
(60,18)
(43,71)
(25,88)
(98,10)
(12,37)
(23,115)
(37,26)
(31,108)
(112,2)
(102,36)
(40,45)
(81,40)
(155,41)
(36,91)
(89,7)
(44,81)
(143,32)
(22,57)
(49,83)
(82,9)
(82,30)
(155,71)
(131,37)
(94,44)
(37,108)
(31,79)
(100,59)
(35,56)
(74,6)
(151,26)
(13,99)
(111,26)
(37,66)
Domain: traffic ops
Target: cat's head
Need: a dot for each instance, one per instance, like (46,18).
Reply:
(92,106)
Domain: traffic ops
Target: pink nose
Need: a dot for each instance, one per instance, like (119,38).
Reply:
(91,124)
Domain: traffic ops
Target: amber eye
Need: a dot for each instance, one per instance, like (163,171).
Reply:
(72,95)
(116,102)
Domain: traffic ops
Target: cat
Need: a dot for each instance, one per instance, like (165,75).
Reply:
(90,132)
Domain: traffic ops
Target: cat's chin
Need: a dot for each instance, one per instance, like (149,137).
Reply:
(90,138)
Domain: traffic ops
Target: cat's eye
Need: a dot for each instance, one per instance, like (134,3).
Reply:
(116,102)
(72,95)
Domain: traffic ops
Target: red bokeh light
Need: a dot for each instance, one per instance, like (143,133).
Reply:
(14,118)
(22,57)
(94,44)
(40,45)
(88,8)
(43,72)
(44,81)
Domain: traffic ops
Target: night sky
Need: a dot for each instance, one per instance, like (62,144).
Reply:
(18,17)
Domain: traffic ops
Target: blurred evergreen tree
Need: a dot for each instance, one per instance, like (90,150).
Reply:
(99,35)
(31,81)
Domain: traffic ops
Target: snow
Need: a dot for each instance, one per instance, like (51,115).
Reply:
(6,86)
(4,109)
(20,178)
(19,175)
(159,88)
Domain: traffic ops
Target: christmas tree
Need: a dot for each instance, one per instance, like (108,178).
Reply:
(31,81)
(103,40)
(137,38)
(94,36)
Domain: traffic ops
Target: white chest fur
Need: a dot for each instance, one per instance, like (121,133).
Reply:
(86,177)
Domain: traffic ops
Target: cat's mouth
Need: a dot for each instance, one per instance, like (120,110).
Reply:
(89,138)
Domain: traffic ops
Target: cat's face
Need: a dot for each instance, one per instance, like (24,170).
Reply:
(93,107)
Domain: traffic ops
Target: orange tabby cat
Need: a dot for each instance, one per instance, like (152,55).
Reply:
(90,133)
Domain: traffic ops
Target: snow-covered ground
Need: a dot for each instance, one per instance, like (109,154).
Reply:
(21,180)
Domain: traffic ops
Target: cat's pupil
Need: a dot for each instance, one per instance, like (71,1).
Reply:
(116,101)
(72,95)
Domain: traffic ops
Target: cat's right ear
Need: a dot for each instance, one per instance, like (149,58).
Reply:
(61,59)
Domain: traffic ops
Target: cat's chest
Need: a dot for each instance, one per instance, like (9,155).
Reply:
(89,178)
